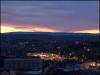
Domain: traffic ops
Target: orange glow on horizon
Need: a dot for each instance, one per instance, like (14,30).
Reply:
(93,31)
(5,28)
(10,28)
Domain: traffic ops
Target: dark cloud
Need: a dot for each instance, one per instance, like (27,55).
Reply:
(62,15)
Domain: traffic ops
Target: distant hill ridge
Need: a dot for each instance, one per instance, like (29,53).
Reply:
(58,33)
(48,36)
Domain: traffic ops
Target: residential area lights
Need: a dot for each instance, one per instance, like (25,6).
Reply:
(47,56)
(58,57)
(54,57)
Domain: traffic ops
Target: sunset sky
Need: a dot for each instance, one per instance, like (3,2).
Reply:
(50,16)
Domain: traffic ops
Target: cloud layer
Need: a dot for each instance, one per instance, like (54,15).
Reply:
(66,16)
